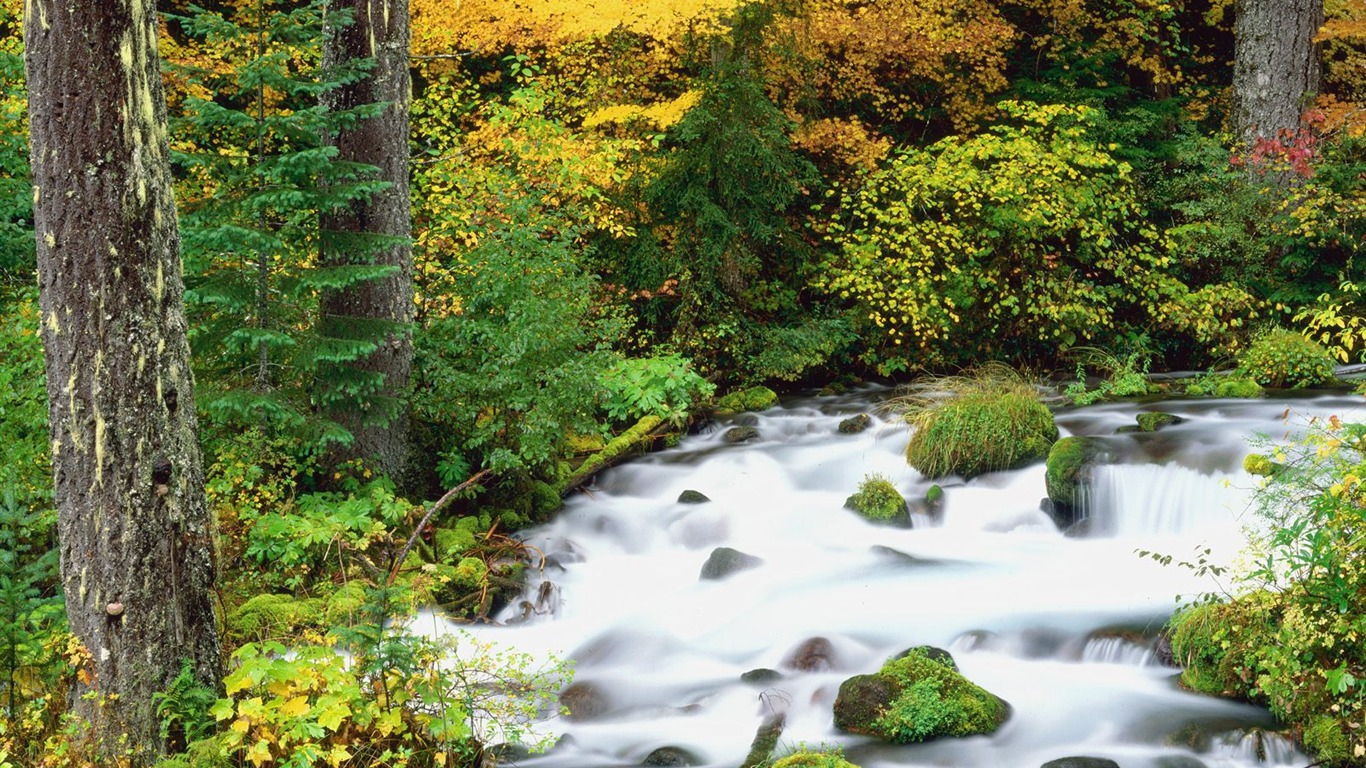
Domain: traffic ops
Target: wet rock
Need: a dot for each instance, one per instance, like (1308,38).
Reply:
(736,435)
(761,676)
(1080,762)
(855,424)
(1151,422)
(814,655)
(765,739)
(1177,761)
(880,503)
(692,497)
(902,558)
(1162,650)
(725,562)
(671,757)
(917,697)
(1070,463)
(584,701)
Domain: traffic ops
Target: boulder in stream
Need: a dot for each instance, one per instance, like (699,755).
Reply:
(855,424)
(583,701)
(1155,420)
(693,497)
(752,399)
(736,435)
(814,655)
(879,502)
(671,757)
(917,697)
(1080,762)
(725,562)
(1070,463)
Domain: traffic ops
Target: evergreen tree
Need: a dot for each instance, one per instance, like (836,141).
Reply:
(258,176)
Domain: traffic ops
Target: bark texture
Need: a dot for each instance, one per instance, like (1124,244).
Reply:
(1276,71)
(379,30)
(136,555)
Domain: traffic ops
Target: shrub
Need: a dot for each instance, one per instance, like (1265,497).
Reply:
(1281,358)
(878,500)
(988,420)
(1124,375)
(665,386)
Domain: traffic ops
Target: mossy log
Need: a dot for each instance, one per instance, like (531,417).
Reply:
(635,441)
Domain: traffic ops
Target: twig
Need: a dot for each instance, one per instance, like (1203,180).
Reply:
(443,501)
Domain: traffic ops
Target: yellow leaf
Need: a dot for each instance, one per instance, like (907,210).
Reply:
(241,725)
(295,707)
(259,753)
(238,681)
(338,755)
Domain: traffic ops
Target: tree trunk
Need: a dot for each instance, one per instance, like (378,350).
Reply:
(379,30)
(1276,69)
(136,555)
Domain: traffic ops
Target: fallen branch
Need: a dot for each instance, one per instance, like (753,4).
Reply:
(422,524)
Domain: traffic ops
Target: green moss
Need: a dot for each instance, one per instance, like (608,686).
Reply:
(981,432)
(274,616)
(878,500)
(1067,465)
(1155,420)
(752,399)
(1218,644)
(1282,358)
(935,700)
(633,439)
(917,697)
(1238,387)
(813,759)
(544,499)
(1259,465)
(1325,740)
(934,494)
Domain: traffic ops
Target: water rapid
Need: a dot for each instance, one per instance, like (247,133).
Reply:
(1061,626)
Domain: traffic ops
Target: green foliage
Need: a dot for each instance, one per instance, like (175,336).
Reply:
(425,702)
(1334,321)
(935,700)
(990,419)
(745,400)
(1027,236)
(665,386)
(1282,358)
(256,174)
(807,758)
(1122,375)
(16,194)
(518,366)
(1229,384)
(877,499)
(184,709)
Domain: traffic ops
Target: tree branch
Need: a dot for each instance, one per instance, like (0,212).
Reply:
(440,503)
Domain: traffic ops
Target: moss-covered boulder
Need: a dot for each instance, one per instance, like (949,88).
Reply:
(1238,387)
(809,759)
(917,697)
(1155,420)
(1069,467)
(978,432)
(752,399)
(878,501)
(855,424)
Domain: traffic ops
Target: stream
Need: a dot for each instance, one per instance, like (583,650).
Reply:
(1060,626)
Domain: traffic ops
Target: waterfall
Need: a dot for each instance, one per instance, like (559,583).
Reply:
(1166,500)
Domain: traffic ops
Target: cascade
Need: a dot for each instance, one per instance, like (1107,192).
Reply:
(1029,613)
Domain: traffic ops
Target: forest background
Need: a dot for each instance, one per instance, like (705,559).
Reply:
(617,208)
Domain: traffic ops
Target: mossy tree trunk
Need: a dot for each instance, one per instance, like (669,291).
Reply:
(1276,70)
(379,30)
(136,555)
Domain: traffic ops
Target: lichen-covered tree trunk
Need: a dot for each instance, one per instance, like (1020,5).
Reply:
(379,30)
(1276,70)
(136,555)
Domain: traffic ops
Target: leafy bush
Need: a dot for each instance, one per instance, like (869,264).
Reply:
(1281,358)
(917,697)
(988,420)
(1123,375)
(1027,235)
(665,386)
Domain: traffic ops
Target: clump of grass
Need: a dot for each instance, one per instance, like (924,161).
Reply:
(987,419)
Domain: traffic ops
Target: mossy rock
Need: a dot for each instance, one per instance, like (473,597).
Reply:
(1328,742)
(878,501)
(1155,420)
(981,432)
(752,399)
(545,500)
(1069,468)
(917,697)
(855,424)
(1261,466)
(736,435)
(809,759)
(1217,642)
(1239,388)
(765,739)
(693,497)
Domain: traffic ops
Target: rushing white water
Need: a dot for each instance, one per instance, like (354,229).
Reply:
(1058,625)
